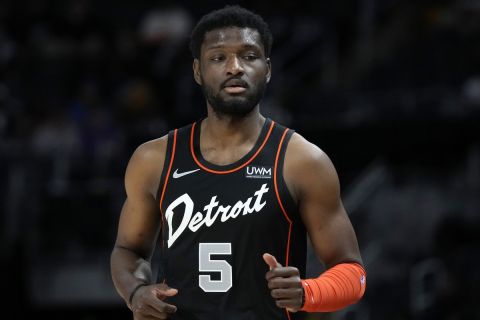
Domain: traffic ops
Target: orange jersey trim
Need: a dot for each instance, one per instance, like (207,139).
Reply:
(290,223)
(275,177)
(168,171)
(234,169)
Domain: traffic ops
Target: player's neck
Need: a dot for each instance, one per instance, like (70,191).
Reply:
(232,131)
(225,140)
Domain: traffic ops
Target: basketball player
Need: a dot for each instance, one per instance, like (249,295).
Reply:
(230,199)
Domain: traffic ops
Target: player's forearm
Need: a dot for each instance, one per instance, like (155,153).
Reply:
(128,270)
(336,288)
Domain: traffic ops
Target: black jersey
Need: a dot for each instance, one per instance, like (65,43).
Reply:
(218,221)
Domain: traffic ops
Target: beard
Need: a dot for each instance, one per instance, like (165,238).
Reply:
(236,106)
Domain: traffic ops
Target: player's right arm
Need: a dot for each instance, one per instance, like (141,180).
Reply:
(138,229)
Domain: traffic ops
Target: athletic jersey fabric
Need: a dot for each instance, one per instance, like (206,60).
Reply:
(218,221)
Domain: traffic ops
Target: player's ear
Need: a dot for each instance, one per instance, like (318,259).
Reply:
(196,71)
(269,69)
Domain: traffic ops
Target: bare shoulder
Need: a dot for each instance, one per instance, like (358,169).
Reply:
(151,151)
(146,164)
(302,153)
(307,166)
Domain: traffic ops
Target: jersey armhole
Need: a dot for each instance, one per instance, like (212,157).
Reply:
(284,196)
(167,166)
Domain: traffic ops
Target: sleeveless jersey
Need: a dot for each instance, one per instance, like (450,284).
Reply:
(218,221)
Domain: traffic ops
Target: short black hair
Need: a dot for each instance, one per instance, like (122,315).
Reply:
(230,16)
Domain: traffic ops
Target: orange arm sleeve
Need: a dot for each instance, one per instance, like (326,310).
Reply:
(336,288)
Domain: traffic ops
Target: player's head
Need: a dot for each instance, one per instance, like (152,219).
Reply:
(230,16)
(231,48)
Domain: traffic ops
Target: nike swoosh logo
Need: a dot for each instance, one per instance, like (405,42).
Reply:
(181,174)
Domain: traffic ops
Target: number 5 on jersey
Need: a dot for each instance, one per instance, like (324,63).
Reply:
(206,264)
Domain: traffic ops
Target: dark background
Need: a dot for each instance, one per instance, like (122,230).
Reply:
(389,89)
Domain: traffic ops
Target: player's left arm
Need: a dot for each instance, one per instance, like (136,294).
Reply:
(313,182)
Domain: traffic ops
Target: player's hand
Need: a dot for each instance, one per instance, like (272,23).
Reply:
(148,302)
(284,284)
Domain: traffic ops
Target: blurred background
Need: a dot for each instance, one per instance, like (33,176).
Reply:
(389,89)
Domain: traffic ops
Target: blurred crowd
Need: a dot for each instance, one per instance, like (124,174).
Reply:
(389,89)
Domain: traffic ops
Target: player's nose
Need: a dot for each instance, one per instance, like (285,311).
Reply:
(234,66)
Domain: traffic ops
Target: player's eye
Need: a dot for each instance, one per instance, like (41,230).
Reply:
(217,58)
(250,57)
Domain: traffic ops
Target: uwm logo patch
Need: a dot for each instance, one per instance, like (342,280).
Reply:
(262,172)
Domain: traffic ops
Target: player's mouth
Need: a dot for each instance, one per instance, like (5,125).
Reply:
(235,86)
(235,89)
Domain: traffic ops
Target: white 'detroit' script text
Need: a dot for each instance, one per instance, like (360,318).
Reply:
(208,218)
